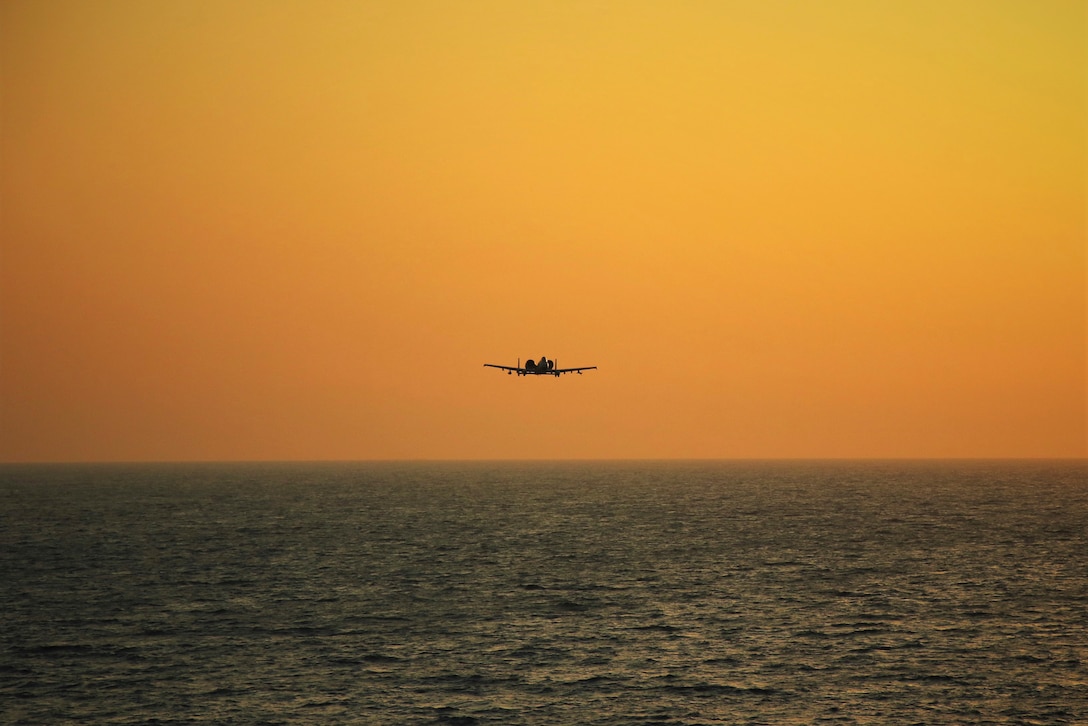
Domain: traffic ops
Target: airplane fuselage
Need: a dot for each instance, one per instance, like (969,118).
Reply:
(543,368)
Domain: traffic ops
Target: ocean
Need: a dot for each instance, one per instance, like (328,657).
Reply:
(680,593)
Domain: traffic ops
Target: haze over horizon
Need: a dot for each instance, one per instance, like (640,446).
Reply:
(296,231)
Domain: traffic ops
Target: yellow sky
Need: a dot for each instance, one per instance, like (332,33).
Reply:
(296,230)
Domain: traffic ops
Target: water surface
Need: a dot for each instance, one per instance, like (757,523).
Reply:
(546,593)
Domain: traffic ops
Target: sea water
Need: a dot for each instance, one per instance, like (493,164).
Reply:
(545,593)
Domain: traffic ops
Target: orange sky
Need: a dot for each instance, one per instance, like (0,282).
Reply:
(296,230)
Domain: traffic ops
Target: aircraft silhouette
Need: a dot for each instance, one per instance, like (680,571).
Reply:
(544,368)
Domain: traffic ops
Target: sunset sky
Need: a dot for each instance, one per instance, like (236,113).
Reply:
(297,230)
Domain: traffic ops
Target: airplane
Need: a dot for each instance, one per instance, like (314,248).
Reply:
(544,368)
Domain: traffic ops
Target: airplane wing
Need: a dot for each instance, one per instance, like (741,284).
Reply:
(527,372)
(557,371)
(515,369)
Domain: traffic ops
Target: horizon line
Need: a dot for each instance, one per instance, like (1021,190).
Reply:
(515,460)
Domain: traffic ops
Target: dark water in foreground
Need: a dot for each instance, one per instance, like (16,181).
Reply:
(582,593)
